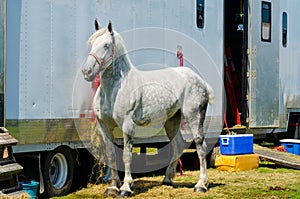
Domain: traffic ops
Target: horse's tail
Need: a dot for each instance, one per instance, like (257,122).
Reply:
(211,95)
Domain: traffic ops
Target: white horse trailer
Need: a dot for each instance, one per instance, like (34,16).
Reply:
(44,98)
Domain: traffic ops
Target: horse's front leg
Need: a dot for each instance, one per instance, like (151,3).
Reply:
(128,133)
(107,137)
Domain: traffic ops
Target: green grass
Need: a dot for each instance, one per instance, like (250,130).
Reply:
(258,183)
(149,151)
(296,195)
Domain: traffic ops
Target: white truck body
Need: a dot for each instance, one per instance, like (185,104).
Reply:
(45,100)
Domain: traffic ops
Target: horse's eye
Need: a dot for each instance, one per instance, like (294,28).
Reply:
(106,46)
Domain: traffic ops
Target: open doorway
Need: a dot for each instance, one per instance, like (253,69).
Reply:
(235,61)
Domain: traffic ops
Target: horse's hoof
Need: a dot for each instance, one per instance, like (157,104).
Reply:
(111,193)
(200,189)
(124,194)
(171,184)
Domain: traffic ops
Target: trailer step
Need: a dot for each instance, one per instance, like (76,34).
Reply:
(9,168)
(6,139)
(11,190)
(16,193)
(280,158)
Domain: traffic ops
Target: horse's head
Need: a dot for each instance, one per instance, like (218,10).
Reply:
(102,52)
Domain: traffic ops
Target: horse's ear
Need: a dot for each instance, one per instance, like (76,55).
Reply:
(109,27)
(96,24)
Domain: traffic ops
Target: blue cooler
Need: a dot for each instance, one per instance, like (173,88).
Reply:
(236,144)
(291,145)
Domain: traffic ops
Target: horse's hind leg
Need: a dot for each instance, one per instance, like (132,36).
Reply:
(201,146)
(195,124)
(172,126)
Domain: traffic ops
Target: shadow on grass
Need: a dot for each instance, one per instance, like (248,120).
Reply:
(213,185)
(142,186)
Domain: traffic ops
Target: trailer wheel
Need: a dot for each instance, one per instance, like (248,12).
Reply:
(58,172)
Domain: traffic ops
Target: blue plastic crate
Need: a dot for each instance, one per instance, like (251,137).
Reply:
(291,145)
(30,187)
(236,144)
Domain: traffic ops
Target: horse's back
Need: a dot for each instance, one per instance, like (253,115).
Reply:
(178,80)
(196,90)
(155,96)
(175,75)
(190,77)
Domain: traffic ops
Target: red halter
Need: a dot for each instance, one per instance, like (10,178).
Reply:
(102,61)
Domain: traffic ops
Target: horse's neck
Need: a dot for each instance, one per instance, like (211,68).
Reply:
(112,76)
(123,66)
(119,68)
(123,63)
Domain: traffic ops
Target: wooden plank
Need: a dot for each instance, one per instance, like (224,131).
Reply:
(7,140)
(10,169)
(278,157)
(14,194)
(6,161)
(11,189)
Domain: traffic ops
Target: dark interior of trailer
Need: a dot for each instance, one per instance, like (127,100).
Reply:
(235,63)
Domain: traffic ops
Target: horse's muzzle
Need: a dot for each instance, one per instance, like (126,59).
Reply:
(87,74)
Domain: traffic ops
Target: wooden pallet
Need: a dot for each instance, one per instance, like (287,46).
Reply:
(280,158)
(9,168)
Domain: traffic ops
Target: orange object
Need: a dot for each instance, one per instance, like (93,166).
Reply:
(236,163)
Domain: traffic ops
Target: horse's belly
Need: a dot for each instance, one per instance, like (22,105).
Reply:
(154,103)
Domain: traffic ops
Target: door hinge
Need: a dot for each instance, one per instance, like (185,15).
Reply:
(251,51)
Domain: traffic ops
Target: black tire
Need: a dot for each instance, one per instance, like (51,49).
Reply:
(58,171)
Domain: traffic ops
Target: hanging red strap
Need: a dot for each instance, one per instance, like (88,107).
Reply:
(182,125)
(180,167)
(180,57)
(230,87)
(96,83)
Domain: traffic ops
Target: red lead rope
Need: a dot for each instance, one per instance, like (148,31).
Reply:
(180,57)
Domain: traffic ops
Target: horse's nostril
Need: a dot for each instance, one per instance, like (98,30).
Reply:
(86,71)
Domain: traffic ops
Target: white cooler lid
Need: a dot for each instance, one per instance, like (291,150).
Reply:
(237,135)
(297,141)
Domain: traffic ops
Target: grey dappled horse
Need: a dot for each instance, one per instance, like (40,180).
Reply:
(129,97)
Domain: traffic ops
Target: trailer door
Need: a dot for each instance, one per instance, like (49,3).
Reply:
(263,52)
